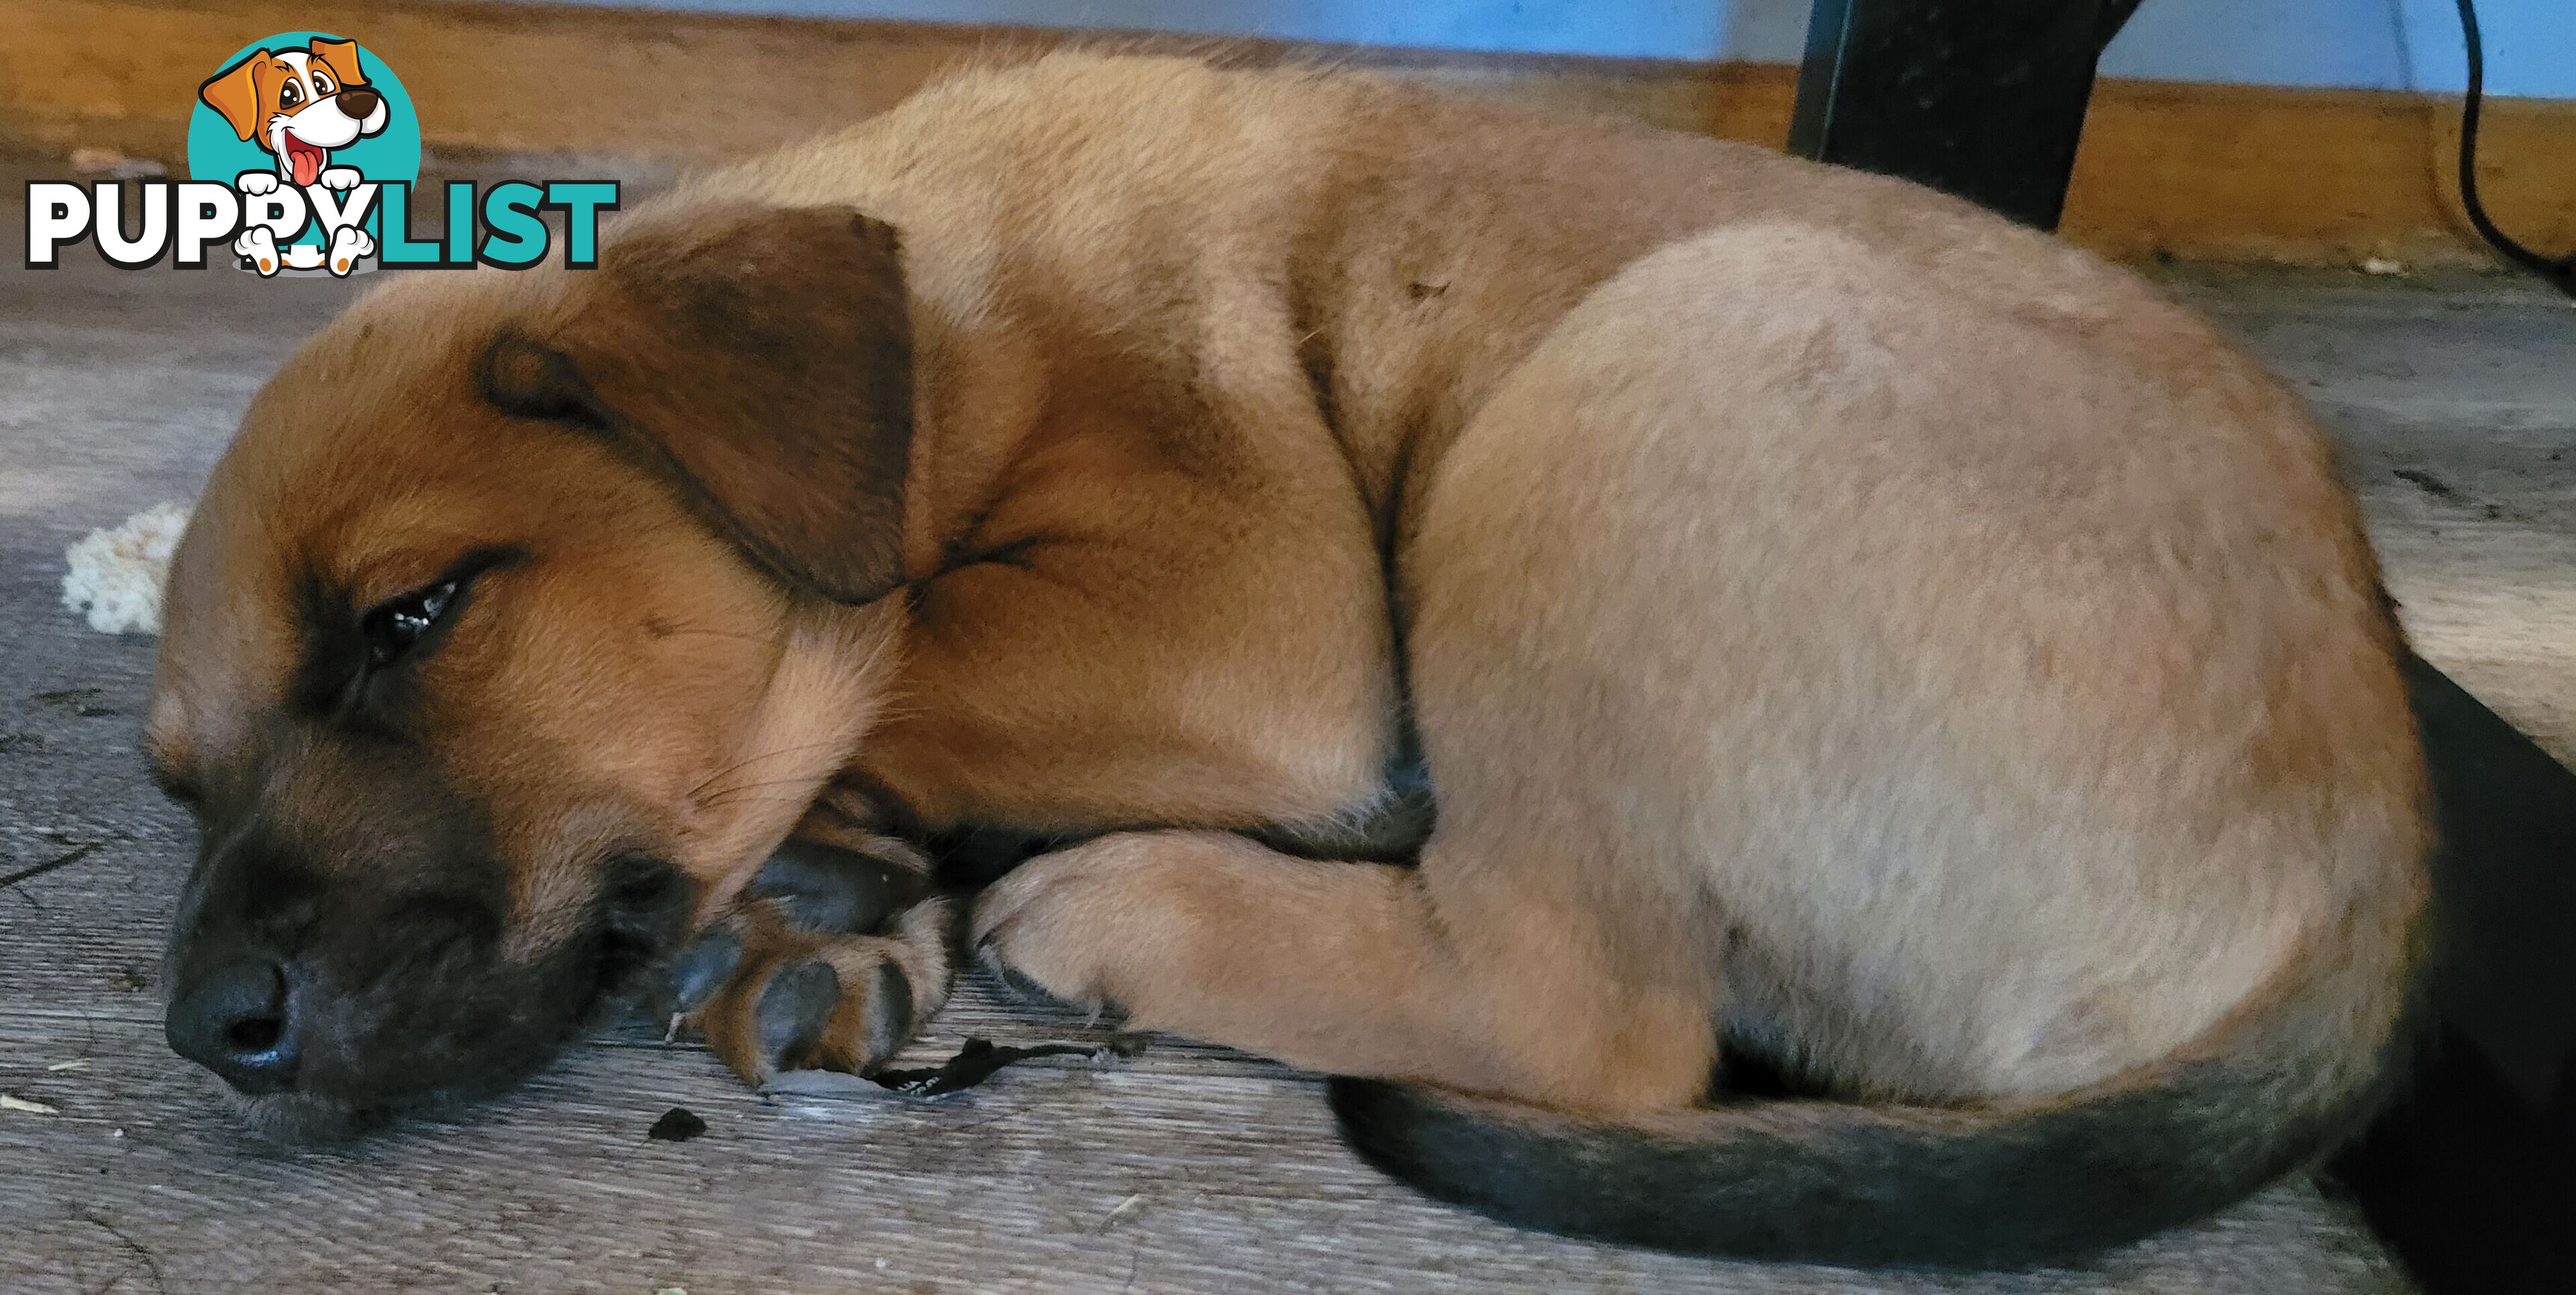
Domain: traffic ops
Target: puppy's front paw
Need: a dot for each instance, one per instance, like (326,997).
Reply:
(1097,927)
(830,961)
(339,177)
(256,183)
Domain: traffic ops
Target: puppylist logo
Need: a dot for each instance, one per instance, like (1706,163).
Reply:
(303,151)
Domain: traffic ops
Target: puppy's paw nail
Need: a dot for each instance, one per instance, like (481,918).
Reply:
(701,970)
(794,1007)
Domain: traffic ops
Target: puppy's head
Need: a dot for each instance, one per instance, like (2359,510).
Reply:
(524,613)
(299,104)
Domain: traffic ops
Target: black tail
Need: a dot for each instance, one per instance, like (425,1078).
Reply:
(1831,1182)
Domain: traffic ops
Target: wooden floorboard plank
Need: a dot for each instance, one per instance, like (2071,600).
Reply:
(1236,1182)
(2453,399)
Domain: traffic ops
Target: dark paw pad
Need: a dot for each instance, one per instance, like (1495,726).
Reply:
(888,1019)
(795,1008)
(771,994)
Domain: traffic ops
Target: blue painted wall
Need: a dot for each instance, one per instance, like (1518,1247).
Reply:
(2367,44)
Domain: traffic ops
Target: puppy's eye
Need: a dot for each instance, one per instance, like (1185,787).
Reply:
(322,84)
(394,625)
(290,96)
(399,624)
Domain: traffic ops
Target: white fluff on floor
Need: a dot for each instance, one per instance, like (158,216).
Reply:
(116,575)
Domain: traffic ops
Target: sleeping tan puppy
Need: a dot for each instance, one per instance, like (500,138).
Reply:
(1834,626)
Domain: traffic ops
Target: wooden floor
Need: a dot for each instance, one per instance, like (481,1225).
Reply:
(2454,400)
(1185,1169)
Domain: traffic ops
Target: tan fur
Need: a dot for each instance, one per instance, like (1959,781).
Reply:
(2199,564)
(633,610)
(1831,615)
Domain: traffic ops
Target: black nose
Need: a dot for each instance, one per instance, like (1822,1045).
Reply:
(234,1021)
(358,101)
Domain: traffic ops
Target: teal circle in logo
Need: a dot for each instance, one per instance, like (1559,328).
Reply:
(218,152)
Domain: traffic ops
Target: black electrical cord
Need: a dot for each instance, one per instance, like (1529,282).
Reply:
(2562,271)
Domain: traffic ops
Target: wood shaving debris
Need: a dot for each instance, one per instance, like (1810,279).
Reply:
(28,1105)
(115,576)
(78,1063)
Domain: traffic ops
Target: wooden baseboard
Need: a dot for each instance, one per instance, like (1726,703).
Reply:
(2245,173)
(2197,172)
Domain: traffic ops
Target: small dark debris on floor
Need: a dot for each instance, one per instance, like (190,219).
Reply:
(58,861)
(2430,484)
(79,701)
(127,980)
(979,1059)
(678,1124)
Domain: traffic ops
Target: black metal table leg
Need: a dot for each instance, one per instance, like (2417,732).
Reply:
(1980,98)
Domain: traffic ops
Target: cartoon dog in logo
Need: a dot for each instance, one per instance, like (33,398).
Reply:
(299,104)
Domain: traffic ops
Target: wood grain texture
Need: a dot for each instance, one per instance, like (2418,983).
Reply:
(2454,403)
(2194,171)
(116,391)
(2250,173)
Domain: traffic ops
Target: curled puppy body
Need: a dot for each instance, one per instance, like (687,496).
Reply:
(1830,617)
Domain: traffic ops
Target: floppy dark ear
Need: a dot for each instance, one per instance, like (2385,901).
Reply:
(760,361)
